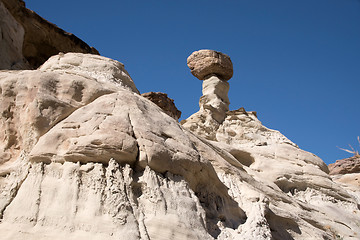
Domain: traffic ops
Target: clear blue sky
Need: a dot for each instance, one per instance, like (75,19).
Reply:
(297,63)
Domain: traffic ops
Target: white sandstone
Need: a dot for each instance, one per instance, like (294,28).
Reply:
(86,157)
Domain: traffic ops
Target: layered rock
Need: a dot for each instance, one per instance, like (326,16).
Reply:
(32,102)
(349,181)
(347,173)
(164,102)
(88,148)
(28,40)
(275,161)
(91,158)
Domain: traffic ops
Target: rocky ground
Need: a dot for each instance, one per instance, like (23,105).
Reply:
(84,156)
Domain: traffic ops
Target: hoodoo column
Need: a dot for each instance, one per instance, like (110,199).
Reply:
(215,69)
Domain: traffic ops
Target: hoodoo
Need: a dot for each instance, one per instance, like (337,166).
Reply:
(214,68)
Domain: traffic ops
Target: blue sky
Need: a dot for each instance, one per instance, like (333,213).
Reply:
(297,63)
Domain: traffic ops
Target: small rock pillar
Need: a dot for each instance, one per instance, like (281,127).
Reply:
(214,69)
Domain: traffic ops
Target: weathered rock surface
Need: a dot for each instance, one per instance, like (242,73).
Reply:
(215,98)
(344,166)
(347,173)
(352,180)
(274,161)
(32,102)
(164,102)
(11,41)
(28,40)
(206,62)
(86,157)
(88,127)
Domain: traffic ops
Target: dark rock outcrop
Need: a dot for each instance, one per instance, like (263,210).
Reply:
(164,102)
(41,39)
(347,165)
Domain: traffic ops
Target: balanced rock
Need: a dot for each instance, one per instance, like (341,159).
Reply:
(214,68)
(204,63)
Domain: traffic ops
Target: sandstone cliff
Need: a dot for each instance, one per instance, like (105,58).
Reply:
(27,40)
(84,156)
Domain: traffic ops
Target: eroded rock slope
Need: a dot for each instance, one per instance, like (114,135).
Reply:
(84,156)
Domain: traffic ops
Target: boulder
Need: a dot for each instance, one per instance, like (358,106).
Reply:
(204,63)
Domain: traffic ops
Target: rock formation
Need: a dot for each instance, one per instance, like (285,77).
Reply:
(214,68)
(28,40)
(275,161)
(204,63)
(164,102)
(85,156)
(344,166)
(347,172)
